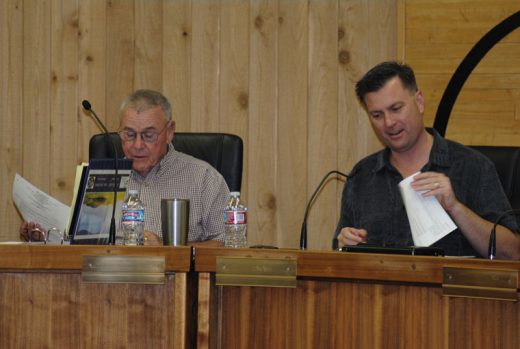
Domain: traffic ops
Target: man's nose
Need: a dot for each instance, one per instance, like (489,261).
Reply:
(389,120)
(138,142)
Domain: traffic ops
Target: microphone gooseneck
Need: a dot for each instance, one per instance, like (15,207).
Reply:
(112,232)
(303,232)
(492,246)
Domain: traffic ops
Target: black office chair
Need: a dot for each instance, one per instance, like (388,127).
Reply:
(221,150)
(507,163)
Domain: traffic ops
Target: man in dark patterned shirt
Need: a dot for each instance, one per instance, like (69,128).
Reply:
(464,181)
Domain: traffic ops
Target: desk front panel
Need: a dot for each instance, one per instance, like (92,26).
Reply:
(353,302)
(45,304)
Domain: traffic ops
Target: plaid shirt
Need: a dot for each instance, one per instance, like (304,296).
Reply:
(182,176)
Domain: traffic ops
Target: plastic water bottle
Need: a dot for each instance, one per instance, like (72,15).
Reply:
(235,216)
(132,219)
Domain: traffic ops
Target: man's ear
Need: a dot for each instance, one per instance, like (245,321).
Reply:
(419,99)
(170,132)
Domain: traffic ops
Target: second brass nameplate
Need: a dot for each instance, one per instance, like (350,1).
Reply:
(249,271)
(480,283)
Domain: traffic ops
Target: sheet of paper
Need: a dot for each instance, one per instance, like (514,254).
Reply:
(428,220)
(37,206)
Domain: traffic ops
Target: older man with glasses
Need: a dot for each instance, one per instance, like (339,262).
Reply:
(160,172)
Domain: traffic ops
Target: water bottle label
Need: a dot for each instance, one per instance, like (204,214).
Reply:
(235,217)
(132,216)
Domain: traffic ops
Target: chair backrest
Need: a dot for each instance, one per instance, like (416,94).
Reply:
(507,163)
(221,150)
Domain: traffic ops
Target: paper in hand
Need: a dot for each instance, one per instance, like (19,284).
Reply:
(429,221)
(39,207)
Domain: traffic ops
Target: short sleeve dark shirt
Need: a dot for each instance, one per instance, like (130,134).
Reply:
(371,198)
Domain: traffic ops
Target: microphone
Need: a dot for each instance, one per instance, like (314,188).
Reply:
(492,247)
(303,232)
(112,232)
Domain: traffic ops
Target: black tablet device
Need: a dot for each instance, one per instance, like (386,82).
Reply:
(407,250)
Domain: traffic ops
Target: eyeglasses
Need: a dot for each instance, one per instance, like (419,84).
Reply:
(148,136)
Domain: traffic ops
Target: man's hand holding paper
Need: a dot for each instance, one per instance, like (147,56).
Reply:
(429,222)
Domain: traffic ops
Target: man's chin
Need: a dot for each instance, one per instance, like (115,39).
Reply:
(141,168)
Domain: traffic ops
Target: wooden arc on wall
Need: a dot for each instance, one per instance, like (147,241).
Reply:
(475,55)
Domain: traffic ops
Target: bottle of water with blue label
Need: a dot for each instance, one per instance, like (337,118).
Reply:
(235,218)
(132,219)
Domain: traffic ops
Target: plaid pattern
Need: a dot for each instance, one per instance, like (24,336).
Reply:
(182,176)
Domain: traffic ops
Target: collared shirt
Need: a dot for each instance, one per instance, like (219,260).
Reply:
(371,198)
(182,176)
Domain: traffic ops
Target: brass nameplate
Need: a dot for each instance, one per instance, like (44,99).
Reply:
(481,283)
(249,271)
(123,269)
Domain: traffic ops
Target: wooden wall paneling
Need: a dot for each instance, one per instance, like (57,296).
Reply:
(262,139)
(353,56)
(292,125)
(234,81)
(177,37)
(120,57)
(185,49)
(322,119)
(205,63)
(149,31)
(63,98)
(11,109)
(92,66)
(438,37)
(36,93)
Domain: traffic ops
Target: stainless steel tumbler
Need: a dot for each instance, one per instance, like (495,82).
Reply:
(175,215)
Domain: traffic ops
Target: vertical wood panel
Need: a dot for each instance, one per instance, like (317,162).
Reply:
(36,84)
(291,165)
(120,57)
(92,71)
(11,110)
(322,118)
(262,140)
(148,44)
(205,64)
(176,69)
(63,101)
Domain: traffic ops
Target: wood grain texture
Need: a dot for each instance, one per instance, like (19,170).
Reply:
(56,310)
(11,108)
(45,304)
(292,124)
(280,74)
(357,301)
(263,118)
(439,34)
(43,257)
(322,116)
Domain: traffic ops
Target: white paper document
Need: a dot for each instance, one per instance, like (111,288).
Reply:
(37,206)
(428,219)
